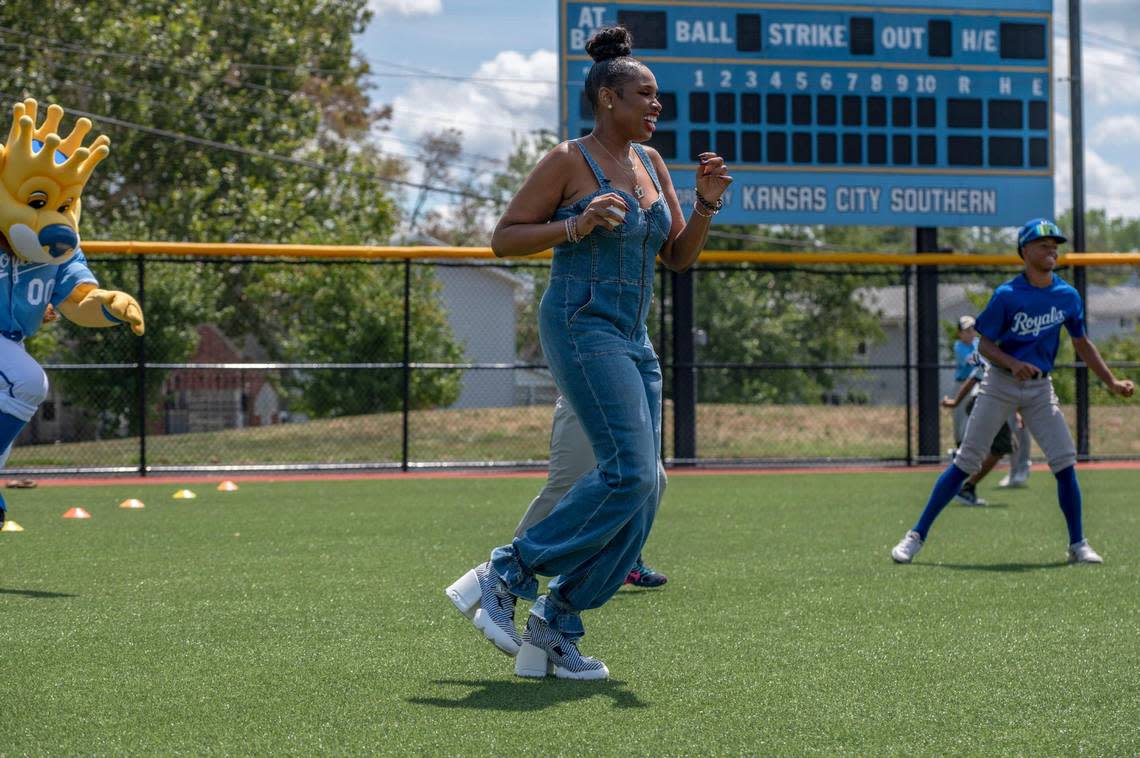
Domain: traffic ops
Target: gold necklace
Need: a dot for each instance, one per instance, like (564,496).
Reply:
(638,191)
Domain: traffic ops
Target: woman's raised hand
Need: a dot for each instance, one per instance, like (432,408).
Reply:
(606,210)
(712,176)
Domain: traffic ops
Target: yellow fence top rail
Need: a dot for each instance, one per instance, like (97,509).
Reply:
(375,252)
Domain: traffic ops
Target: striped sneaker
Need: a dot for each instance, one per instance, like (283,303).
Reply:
(482,597)
(546,651)
(643,576)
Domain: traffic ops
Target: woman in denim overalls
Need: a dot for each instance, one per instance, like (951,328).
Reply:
(608,207)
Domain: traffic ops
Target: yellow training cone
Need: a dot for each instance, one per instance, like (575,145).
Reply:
(132,503)
(11,526)
(227,486)
(184,495)
(76,513)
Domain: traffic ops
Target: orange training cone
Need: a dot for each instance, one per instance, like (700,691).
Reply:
(11,526)
(132,504)
(227,486)
(76,513)
(184,495)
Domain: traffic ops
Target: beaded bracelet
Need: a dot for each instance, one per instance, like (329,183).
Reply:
(697,210)
(713,207)
(571,226)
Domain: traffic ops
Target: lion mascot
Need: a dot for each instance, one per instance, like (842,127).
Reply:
(41,177)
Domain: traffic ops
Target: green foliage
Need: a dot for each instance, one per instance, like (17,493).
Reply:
(1109,235)
(171,318)
(755,315)
(352,314)
(279,79)
(1119,347)
(529,149)
(761,316)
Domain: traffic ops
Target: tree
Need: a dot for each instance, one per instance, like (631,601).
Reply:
(354,314)
(437,154)
(784,315)
(251,125)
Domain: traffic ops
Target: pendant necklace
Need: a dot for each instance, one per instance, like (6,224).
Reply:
(638,191)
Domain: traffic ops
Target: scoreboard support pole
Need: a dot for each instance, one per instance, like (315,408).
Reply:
(1080,279)
(684,368)
(926,306)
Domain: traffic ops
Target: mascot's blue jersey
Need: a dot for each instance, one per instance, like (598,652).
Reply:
(27,288)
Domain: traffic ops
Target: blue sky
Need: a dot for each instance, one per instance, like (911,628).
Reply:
(503,55)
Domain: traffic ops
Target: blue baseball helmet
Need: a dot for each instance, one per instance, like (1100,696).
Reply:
(1037,229)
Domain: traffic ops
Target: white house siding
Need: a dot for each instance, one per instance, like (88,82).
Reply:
(480,307)
(1111,311)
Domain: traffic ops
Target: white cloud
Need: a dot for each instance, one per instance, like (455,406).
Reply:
(406,7)
(1107,184)
(1109,74)
(1116,130)
(489,109)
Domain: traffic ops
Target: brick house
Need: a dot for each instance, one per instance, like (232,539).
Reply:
(204,399)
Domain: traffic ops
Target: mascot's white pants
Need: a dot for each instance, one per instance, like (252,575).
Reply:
(23,384)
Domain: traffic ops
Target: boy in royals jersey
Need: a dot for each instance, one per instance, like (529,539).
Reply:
(1019,332)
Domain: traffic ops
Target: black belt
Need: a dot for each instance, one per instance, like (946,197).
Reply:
(1040,375)
(16,336)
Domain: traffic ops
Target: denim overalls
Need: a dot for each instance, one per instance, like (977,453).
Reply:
(592,327)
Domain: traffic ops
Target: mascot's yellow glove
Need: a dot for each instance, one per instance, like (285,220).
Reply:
(87,305)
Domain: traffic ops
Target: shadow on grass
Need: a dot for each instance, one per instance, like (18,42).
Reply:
(999,567)
(35,593)
(521,696)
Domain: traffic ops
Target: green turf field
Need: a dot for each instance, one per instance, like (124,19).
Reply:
(309,617)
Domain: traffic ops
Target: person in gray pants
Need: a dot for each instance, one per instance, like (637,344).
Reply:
(570,457)
(1019,333)
(1019,466)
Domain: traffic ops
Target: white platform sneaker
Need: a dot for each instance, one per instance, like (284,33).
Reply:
(481,596)
(546,651)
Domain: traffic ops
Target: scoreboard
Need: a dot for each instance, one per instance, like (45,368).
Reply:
(895,112)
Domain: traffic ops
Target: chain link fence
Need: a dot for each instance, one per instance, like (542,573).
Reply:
(300,364)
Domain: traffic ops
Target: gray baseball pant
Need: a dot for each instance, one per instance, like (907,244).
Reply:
(570,457)
(1019,461)
(1001,394)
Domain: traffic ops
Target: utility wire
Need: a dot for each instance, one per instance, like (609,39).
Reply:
(427,72)
(121,96)
(487,166)
(253,152)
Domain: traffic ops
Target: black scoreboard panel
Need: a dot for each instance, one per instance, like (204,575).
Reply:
(860,93)
(959,124)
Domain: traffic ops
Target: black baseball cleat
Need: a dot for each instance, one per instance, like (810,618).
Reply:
(969,496)
(644,576)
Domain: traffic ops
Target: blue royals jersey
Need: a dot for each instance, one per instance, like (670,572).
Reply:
(1025,321)
(967,361)
(26,289)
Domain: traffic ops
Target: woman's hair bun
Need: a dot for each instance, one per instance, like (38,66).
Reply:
(611,42)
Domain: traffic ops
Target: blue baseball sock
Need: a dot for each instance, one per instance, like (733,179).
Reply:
(10,428)
(1069,496)
(944,491)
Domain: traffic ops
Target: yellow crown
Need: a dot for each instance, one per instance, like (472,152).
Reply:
(22,162)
